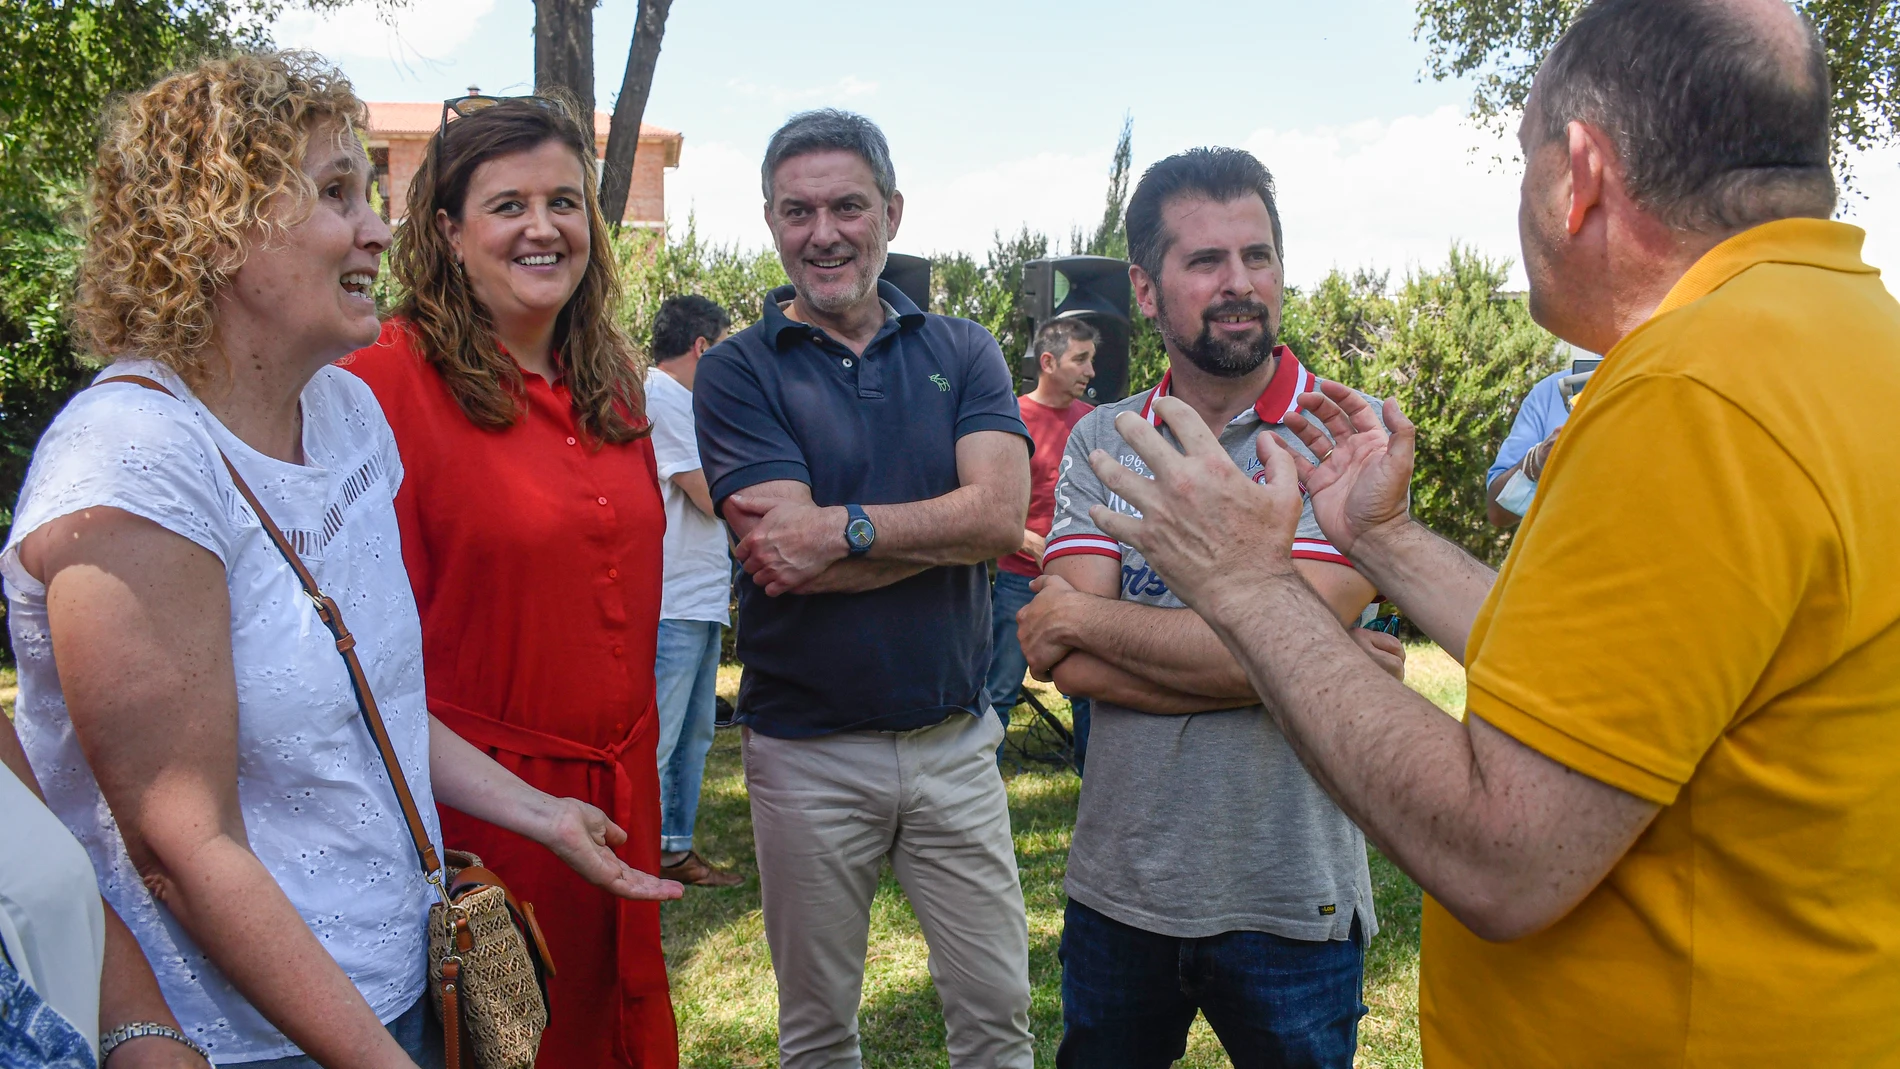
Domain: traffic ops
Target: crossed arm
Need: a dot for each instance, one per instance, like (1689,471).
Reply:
(1079,633)
(789,544)
(1505,838)
(140,621)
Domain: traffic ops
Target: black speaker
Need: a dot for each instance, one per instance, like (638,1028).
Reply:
(1092,288)
(911,274)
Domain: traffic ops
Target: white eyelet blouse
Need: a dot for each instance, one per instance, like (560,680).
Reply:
(318,808)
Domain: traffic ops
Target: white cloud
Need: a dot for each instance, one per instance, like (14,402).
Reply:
(1049,192)
(1392,195)
(1380,194)
(1874,205)
(844,88)
(421,34)
(719,186)
(1388,195)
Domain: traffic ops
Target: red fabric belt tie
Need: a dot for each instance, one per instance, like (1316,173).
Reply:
(484,731)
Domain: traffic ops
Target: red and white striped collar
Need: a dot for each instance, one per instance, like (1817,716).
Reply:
(1279,400)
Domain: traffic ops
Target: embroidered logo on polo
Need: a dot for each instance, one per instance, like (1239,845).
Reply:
(942,383)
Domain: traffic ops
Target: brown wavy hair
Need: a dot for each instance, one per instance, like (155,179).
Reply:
(190,177)
(602,367)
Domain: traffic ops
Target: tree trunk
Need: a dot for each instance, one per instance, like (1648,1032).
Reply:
(564,50)
(623,134)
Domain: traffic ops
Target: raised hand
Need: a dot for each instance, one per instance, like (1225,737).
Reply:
(1205,526)
(582,836)
(1364,478)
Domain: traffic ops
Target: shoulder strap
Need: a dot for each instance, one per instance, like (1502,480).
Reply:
(332,618)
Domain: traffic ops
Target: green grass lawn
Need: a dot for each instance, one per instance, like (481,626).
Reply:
(722,972)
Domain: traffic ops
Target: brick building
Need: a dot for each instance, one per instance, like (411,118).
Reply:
(398,134)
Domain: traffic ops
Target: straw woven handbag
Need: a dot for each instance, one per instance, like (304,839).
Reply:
(488,964)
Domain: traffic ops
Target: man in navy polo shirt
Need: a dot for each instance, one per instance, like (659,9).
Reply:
(869,459)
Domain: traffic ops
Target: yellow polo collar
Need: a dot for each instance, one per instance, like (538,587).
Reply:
(1815,242)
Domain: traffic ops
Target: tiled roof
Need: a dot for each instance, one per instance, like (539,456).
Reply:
(388,118)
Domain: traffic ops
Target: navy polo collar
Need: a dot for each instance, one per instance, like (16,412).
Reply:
(777,322)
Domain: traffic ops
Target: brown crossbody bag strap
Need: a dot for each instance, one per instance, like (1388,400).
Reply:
(508,1018)
(332,618)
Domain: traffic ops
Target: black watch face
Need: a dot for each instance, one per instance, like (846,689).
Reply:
(859,533)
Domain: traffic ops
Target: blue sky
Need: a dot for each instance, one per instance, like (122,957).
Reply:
(1004,114)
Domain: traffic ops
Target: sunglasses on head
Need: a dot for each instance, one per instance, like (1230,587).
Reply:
(464,106)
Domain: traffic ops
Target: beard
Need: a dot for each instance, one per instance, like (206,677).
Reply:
(1221,357)
(868,265)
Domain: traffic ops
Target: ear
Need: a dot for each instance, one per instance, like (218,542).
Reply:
(1590,155)
(893,213)
(1145,291)
(1046,360)
(451,232)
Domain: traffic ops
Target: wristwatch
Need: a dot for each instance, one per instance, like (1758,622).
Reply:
(859,532)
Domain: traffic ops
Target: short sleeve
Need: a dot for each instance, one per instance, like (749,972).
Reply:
(988,398)
(1662,566)
(670,407)
(742,439)
(1532,424)
(1077,488)
(126,447)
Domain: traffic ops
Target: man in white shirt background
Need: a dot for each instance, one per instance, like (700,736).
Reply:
(696,585)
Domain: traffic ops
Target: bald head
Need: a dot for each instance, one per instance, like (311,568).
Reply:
(1780,29)
(1718,108)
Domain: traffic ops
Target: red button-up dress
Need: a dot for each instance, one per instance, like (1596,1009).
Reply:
(535,558)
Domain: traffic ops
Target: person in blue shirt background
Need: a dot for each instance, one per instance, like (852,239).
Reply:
(1526,449)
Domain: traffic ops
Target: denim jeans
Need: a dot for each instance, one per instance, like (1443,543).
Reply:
(417,1031)
(1128,996)
(686,672)
(1008,594)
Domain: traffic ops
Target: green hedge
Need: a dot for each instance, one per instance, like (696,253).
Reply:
(1457,353)
(38,368)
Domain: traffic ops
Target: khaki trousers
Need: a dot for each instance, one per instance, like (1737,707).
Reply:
(825,813)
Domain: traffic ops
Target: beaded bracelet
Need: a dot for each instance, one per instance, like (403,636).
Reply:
(140,1029)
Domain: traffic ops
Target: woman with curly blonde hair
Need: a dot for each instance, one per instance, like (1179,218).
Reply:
(532,526)
(182,704)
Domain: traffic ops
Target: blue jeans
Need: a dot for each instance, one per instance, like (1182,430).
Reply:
(417,1031)
(1008,594)
(686,673)
(1128,996)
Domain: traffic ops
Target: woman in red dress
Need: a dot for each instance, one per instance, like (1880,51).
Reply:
(531,529)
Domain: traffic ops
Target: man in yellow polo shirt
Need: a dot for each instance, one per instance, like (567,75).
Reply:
(1667,833)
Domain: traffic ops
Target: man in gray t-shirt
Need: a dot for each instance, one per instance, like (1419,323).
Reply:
(1208,871)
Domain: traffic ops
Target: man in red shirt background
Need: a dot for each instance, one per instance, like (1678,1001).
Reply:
(1065,356)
